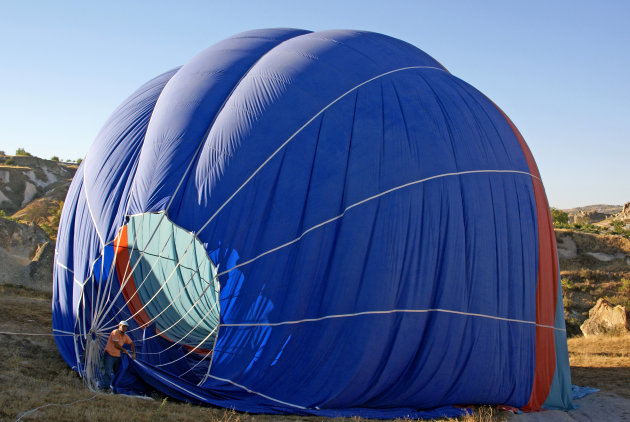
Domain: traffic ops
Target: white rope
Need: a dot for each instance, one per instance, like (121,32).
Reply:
(59,264)
(126,280)
(196,153)
(300,130)
(87,201)
(363,201)
(211,356)
(63,331)
(257,393)
(100,288)
(127,277)
(320,225)
(193,237)
(28,412)
(99,312)
(79,322)
(163,284)
(187,312)
(212,283)
(177,386)
(205,356)
(391,311)
(93,354)
(324,223)
(96,318)
(36,334)
(190,351)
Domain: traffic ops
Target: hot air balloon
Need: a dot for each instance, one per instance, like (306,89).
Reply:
(323,223)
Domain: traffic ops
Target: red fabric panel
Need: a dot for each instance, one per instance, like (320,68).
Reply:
(198,350)
(546,290)
(123,269)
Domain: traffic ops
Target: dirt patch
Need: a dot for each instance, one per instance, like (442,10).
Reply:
(595,407)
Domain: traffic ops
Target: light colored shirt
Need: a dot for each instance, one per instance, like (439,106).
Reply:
(116,337)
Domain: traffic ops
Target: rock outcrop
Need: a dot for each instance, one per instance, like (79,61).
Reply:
(26,255)
(587,217)
(28,178)
(624,215)
(603,318)
(567,248)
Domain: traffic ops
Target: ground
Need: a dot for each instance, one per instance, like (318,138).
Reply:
(34,376)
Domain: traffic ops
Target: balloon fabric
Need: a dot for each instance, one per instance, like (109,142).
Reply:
(323,223)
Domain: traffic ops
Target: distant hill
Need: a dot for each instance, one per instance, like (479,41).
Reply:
(600,208)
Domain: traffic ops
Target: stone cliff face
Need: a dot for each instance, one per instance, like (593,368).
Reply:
(24,179)
(31,192)
(587,217)
(624,215)
(26,255)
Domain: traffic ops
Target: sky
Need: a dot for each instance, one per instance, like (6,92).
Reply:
(559,69)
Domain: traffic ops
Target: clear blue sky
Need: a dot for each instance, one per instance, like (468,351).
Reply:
(559,69)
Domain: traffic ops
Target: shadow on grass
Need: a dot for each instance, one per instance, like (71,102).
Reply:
(611,380)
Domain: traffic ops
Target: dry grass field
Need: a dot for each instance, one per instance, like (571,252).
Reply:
(33,376)
(602,362)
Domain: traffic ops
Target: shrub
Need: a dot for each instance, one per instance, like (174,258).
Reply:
(54,158)
(22,151)
(10,162)
(567,284)
(615,300)
(559,217)
(590,228)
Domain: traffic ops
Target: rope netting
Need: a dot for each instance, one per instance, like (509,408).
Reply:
(162,281)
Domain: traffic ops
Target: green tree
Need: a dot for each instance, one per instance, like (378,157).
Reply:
(22,151)
(559,217)
(79,161)
(54,158)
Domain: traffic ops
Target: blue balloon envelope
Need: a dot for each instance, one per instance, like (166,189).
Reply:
(321,223)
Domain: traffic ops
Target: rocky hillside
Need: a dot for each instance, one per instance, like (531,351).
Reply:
(26,255)
(592,266)
(24,179)
(32,191)
(600,214)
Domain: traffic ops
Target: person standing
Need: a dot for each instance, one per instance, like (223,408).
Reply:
(115,346)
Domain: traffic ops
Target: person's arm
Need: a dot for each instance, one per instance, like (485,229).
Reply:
(133,349)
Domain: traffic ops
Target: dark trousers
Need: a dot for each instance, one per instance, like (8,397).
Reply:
(112,365)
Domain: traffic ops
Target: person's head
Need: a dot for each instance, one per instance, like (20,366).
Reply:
(122,326)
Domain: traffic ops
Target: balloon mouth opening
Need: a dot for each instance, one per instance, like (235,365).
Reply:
(168,281)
